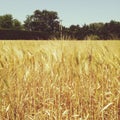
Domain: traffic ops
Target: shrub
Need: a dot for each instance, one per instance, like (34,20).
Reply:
(92,37)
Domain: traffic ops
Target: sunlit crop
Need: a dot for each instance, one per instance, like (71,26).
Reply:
(59,80)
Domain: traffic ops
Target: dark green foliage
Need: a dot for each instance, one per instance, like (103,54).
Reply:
(46,25)
(110,30)
(96,31)
(17,25)
(46,21)
(21,34)
(7,22)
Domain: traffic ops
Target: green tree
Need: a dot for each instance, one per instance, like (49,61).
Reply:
(45,21)
(6,21)
(74,31)
(111,30)
(17,25)
(27,23)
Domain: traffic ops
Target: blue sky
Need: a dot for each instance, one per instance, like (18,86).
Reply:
(70,11)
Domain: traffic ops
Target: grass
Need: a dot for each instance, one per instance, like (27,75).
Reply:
(60,80)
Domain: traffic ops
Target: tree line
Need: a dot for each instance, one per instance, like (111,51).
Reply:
(46,25)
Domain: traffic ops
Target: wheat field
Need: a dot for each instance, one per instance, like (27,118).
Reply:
(59,80)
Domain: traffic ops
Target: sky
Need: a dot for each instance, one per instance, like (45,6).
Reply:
(69,11)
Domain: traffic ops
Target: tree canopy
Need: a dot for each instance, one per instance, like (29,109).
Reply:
(48,22)
(7,22)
